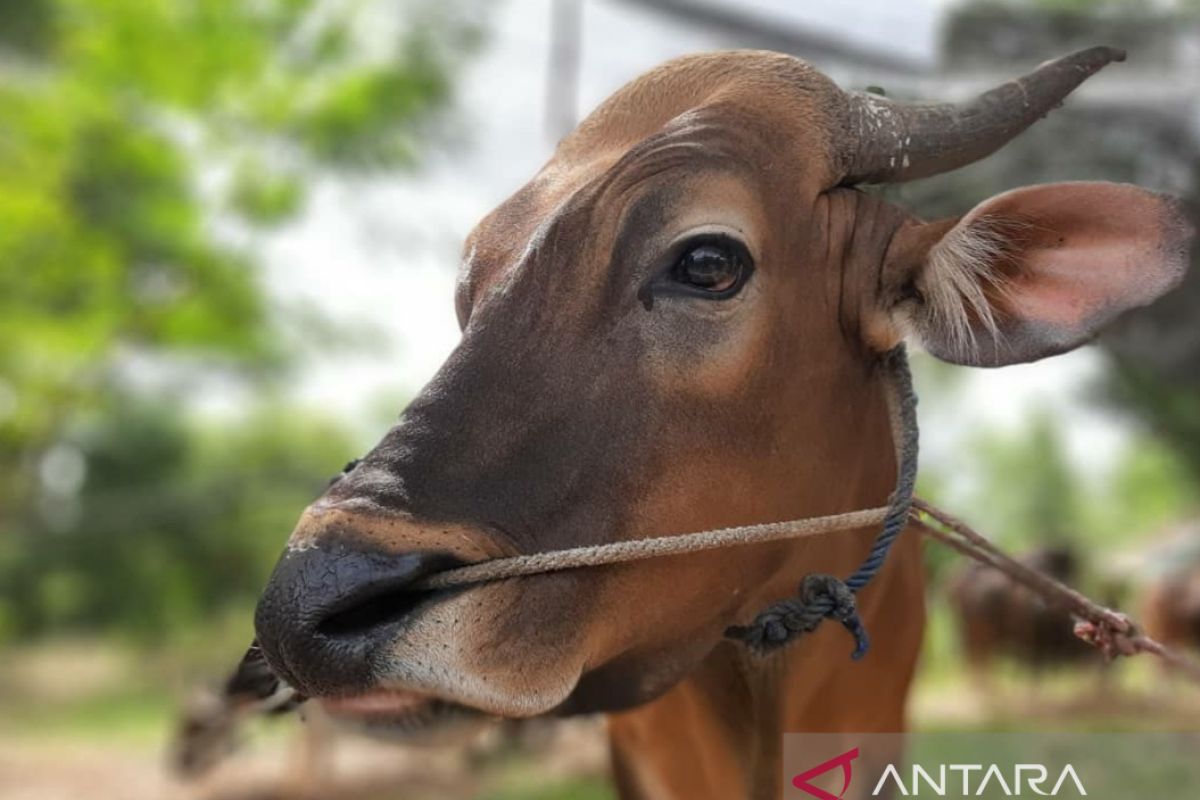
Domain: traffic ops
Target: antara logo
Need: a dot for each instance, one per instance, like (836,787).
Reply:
(801,781)
(947,780)
(1024,776)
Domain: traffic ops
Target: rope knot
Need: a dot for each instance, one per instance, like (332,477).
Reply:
(1115,636)
(820,597)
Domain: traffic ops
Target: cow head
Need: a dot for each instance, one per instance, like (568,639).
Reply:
(676,326)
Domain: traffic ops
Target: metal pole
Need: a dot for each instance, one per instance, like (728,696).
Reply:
(562,77)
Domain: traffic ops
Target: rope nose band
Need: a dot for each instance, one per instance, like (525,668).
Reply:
(820,596)
(639,549)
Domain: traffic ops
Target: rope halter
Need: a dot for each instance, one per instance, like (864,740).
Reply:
(819,597)
(823,597)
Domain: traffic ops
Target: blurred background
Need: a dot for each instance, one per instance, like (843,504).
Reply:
(228,240)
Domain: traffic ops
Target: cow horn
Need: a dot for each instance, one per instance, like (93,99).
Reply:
(891,142)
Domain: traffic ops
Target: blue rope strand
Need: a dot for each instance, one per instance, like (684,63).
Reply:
(823,597)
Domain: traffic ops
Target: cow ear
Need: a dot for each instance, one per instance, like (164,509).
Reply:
(1033,272)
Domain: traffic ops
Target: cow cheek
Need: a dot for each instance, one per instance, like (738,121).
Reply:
(515,648)
(713,354)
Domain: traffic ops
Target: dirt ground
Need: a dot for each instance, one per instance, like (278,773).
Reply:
(284,760)
(298,765)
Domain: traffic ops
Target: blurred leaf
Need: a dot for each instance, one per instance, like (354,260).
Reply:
(27,26)
(265,197)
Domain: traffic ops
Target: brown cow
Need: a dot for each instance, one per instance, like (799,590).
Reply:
(998,617)
(677,325)
(1171,608)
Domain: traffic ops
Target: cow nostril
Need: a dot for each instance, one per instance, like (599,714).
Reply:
(373,611)
(381,601)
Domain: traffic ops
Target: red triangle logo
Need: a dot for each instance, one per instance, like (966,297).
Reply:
(801,781)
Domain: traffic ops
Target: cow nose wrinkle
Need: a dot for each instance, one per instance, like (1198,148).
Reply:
(328,610)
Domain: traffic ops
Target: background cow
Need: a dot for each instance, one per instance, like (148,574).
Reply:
(998,618)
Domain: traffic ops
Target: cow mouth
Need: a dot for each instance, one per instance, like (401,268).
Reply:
(409,717)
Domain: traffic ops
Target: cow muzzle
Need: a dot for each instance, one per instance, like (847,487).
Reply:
(327,610)
(341,596)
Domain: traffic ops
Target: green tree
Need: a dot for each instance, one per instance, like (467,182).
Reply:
(147,521)
(1028,486)
(131,127)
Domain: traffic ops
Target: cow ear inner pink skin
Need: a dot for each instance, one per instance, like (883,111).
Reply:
(1051,265)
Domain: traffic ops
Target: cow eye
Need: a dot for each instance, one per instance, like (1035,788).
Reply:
(713,267)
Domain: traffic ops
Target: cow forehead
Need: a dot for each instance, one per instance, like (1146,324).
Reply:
(758,82)
(750,137)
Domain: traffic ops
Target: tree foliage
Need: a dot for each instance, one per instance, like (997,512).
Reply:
(131,128)
(146,520)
